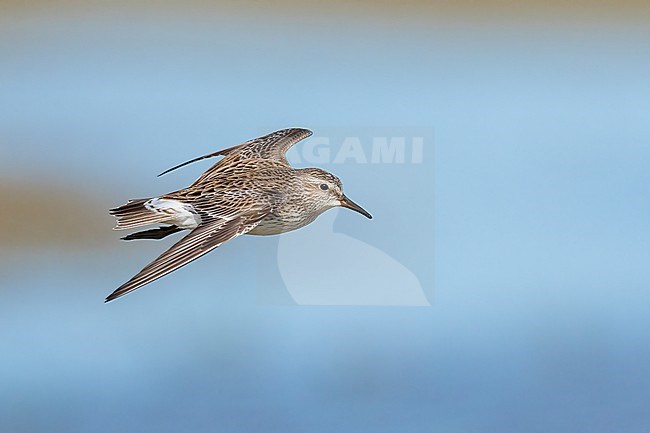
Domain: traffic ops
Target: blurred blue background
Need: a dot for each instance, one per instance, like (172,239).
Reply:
(526,223)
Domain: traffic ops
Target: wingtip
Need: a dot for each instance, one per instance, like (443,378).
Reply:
(172,169)
(305,131)
(293,130)
(113,296)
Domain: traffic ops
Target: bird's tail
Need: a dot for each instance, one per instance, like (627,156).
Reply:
(135,213)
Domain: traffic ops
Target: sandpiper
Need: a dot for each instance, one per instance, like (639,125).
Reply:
(252,190)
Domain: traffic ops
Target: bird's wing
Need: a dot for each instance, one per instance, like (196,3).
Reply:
(271,146)
(210,234)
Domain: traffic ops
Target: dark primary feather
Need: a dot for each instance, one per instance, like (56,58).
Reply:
(157,233)
(209,155)
(207,236)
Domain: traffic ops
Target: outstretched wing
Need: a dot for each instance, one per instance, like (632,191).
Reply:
(203,239)
(271,146)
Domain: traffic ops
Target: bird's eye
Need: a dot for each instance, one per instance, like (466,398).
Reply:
(324,186)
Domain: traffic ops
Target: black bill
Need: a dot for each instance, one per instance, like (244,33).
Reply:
(346,202)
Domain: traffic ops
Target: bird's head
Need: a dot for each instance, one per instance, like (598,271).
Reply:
(328,191)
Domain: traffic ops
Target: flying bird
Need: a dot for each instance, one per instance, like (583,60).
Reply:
(252,190)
